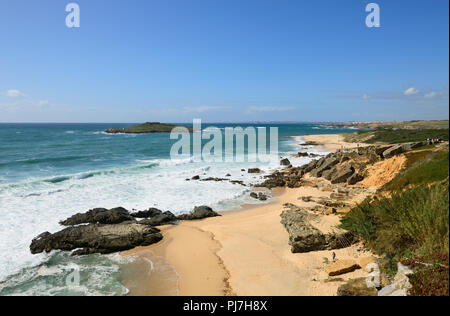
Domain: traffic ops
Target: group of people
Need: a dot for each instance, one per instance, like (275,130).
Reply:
(431,141)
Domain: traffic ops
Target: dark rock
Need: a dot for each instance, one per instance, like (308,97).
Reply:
(310,166)
(309,143)
(254,195)
(151,212)
(254,170)
(199,212)
(379,150)
(342,174)
(303,237)
(285,162)
(324,164)
(356,287)
(355,178)
(401,148)
(276,179)
(328,174)
(195,178)
(160,219)
(100,216)
(302,154)
(262,197)
(214,179)
(97,238)
(306,199)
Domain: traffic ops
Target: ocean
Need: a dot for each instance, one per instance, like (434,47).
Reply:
(49,172)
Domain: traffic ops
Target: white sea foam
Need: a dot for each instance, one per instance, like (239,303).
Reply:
(34,206)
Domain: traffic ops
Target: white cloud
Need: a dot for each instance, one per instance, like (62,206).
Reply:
(366,97)
(43,103)
(411,91)
(431,95)
(269,109)
(14,93)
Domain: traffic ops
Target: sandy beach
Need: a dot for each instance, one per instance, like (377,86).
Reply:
(247,252)
(332,142)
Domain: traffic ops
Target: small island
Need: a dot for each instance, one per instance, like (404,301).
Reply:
(146,128)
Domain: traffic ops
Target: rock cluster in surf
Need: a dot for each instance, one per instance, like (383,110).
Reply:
(107,231)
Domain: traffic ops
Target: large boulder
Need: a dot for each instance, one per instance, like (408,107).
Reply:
(160,219)
(310,166)
(303,237)
(381,149)
(329,174)
(342,174)
(401,148)
(341,267)
(97,238)
(199,212)
(355,178)
(100,216)
(254,170)
(276,179)
(356,287)
(285,162)
(325,164)
(151,212)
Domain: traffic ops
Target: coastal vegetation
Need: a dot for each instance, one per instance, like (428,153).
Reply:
(412,125)
(409,219)
(146,128)
(393,136)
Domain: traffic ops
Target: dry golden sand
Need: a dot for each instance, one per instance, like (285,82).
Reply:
(384,171)
(243,253)
(332,142)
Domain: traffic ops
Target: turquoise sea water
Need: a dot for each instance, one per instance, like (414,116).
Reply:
(48,172)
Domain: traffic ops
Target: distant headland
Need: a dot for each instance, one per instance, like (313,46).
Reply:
(146,128)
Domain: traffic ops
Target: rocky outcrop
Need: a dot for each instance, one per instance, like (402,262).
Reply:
(401,148)
(147,213)
(401,284)
(341,267)
(259,196)
(324,164)
(159,219)
(303,237)
(100,216)
(199,212)
(285,162)
(97,238)
(354,179)
(109,231)
(356,287)
(254,170)
(342,174)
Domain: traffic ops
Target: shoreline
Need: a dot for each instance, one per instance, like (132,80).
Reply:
(246,251)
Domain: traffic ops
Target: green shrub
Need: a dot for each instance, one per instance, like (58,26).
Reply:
(422,167)
(415,221)
(393,136)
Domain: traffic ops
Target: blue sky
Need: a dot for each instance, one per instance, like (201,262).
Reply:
(223,61)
